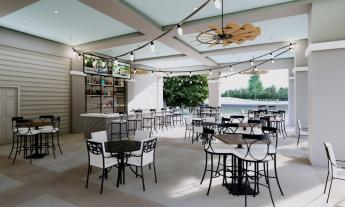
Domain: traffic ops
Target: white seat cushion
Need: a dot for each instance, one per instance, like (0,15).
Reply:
(48,129)
(28,132)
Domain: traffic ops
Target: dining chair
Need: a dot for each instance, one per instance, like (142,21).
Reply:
(53,131)
(236,118)
(14,133)
(145,157)
(210,119)
(189,127)
(97,158)
(337,172)
(197,129)
(301,131)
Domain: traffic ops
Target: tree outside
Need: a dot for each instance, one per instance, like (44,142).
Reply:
(185,91)
(256,91)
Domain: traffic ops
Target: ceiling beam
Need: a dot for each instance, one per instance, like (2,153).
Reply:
(253,15)
(10,6)
(162,58)
(122,12)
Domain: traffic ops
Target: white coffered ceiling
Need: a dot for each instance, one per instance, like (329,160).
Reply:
(114,27)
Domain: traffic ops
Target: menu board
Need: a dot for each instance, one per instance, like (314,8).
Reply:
(122,70)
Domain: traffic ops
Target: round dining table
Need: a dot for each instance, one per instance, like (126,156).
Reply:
(120,149)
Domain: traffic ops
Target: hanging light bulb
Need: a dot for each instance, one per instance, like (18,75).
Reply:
(131,57)
(190,82)
(135,71)
(179,30)
(116,62)
(190,74)
(252,62)
(271,54)
(79,56)
(152,72)
(272,60)
(231,69)
(103,64)
(217,4)
(94,63)
(210,72)
(153,48)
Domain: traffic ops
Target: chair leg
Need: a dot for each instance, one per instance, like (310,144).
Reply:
(30,142)
(203,176)
(154,171)
(142,177)
(211,177)
(103,175)
(276,174)
(13,138)
(87,177)
(53,145)
(269,186)
(330,187)
(299,135)
(18,147)
(324,191)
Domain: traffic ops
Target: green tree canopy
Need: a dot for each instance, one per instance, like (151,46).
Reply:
(185,90)
(255,90)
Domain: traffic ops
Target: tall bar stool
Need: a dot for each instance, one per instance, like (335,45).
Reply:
(150,121)
(178,116)
(121,123)
(138,119)
(161,120)
(169,117)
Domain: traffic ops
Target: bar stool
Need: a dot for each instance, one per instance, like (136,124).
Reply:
(150,120)
(138,119)
(169,118)
(120,123)
(161,119)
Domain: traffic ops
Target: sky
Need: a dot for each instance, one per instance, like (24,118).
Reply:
(279,78)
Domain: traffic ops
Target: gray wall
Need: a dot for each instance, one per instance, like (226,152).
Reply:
(301,97)
(41,69)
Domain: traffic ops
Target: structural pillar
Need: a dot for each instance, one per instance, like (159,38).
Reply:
(291,96)
(301,84)
(326,52)
(214,93)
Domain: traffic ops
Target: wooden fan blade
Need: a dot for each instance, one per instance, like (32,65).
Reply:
(231,27)
(226,42)
(215,28)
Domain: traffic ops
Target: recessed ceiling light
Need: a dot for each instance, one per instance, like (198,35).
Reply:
(55,11)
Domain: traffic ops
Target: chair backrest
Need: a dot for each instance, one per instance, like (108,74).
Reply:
(330,154)
(197,126)
(95,153)
(225,120)
(23,127)
(210,119)
(46,118)
(15,121)
(207,135)
(229,128)
(100,136)
(153,112)
(148,150)
(273,132)
(236,118)
(249,138)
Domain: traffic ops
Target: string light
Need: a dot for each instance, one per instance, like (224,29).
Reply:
(135,71)
(190,74)
(152,73)
(272,60)
(131,57)
(217,4)
(179,30)
(210,72)
(116,62)
(152,47)
(79,56)
(252,62)
(271,54)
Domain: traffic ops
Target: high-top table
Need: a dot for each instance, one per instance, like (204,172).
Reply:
(237,187)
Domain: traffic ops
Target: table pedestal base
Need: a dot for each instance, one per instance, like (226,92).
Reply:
(35,156)
(235,189)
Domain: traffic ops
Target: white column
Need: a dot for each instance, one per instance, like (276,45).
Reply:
(214,93)
(301,84)
(326,79)
(291,98)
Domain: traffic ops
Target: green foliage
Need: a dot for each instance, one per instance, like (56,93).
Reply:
(256,91)
(185,90)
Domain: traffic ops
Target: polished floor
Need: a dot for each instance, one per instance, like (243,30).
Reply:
(60,182)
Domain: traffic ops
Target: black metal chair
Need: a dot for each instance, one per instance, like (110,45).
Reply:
(229,128)
(225,120)
(52,131)
(301,131)
(197,129)
(146,156)
(14,133)
(336,172)
(149,122)
(253,123)
(257,155)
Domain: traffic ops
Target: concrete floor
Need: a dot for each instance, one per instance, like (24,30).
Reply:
(60,182)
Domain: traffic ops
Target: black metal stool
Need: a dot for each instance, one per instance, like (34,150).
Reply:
(161,120)
(151,120)
(138,119)
(120,123)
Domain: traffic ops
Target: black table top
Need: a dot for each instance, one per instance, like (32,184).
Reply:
(121,146)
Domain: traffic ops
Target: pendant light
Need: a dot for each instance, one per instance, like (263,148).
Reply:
(217,4)
(179,30)
(152,45)
(131,57)
(116,62)
(231,69)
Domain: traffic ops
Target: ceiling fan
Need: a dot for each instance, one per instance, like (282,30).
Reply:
(230,33)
